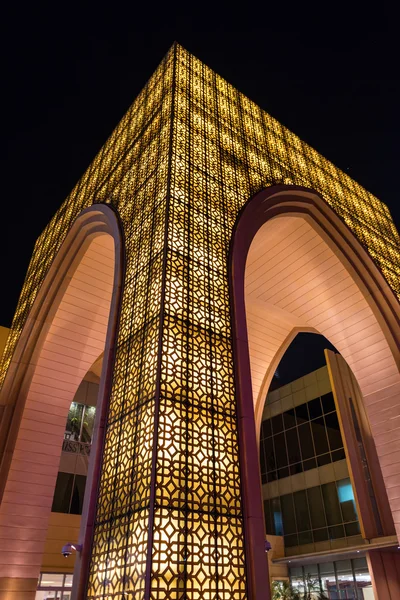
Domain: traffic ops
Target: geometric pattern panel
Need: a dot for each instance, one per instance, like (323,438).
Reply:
(177,170)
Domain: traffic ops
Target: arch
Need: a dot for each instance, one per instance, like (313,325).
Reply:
(73,320)
(363,322)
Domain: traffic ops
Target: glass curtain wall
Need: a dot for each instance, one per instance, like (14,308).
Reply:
(343,579)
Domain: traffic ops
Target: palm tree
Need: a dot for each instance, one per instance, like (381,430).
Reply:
(282,590)
(312,589)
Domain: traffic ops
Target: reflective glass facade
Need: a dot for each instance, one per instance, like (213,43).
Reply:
(300,439)
(342,579)
(316,514)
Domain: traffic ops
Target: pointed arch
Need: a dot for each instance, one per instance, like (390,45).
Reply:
(73,320)
(281,284)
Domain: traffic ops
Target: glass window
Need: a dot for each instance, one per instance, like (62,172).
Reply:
(323,459)
(268,517)
(328,403)
(328,580)
(277,516)
(316,505)
(321,535)
(301,510)
(88,424)
(282,473)
(270,454)
(293,447)
(266,430)
(338,455)
(74,421)
(344,573)
(69,493)
(289,520)
(362,579)
(319,436)
(301,413)
(336,532)
(309,464)
(280,450)
(307,448)
(54,586)
(346,499)
(277,424)
(78,495)
(62,492)
(314,408)
(263,466)
(297,468)
(289,418)
(297,579)
(52,580)
(331,503)
(333,429)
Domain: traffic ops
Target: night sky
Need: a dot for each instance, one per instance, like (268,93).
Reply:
(68,78)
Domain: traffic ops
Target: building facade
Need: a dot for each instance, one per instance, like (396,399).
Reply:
(200,240)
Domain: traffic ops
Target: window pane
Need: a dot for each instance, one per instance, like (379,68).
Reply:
(352,529)
(333,429)
(338,455)
(291,540)
(289,522)
(301,413)
(297,468)
(307,448)
(268,517)
(74,421)
(269,454)
(324,459)
(293,447)
(289,418)
(345,578)
(52,580)
(316,507)
(321,535)
(328,402)
(346,499)
(280,450)
(263,466)
(331,502)
(277,424)
(319,435)
(328,579)
(88,423)
(78,494)
(314,408)
(309,464)
(282,473)
(301,509)
(276,516)
(266,430)
(336,532)
(68,581)
(62,493)
(305,537)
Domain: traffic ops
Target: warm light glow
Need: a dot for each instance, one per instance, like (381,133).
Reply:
(178,168)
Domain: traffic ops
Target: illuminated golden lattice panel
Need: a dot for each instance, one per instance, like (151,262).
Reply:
(186,157)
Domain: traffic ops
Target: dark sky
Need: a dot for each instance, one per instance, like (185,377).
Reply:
(68,78)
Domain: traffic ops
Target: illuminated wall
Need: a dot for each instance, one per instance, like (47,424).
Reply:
(182,162)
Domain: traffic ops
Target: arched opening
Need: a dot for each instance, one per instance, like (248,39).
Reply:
(296,267)
(72,323)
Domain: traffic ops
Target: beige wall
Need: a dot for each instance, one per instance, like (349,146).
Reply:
(277,551)
(61,530)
